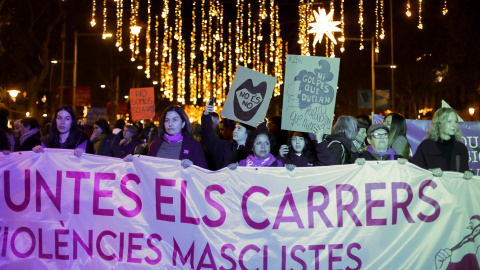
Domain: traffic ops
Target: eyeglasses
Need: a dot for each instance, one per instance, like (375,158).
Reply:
(379,135)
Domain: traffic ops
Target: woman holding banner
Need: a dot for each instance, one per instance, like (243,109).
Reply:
(259,144)
(65,134)
(398,134)
(442,149)
(176,140)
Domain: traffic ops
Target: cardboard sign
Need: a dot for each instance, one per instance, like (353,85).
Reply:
(95,113)
(142,103)
(249,96)
(309,93)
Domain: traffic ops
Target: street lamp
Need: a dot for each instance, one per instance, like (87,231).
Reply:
(74,95)
(13,94)
(471,111)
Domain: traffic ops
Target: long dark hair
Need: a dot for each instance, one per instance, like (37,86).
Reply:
(74,136)
(103,124)
(307,149)
(186,130)
(398,127)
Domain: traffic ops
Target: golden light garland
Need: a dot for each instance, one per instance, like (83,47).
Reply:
(408,12)
(148,49)
(445,10)
(118,43)
(342,26)
(104,34)
(360,22)
(377,26)
(92,22)
(420,25)
(193,71)
(382,20)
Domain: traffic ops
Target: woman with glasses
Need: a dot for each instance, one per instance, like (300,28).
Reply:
(398,134)
(377,137)
(442,149)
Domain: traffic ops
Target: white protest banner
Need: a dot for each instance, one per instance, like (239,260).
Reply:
(309,93)
(63,212)
(249,96)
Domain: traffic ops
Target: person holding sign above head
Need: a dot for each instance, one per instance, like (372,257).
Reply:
(398,134)
(340,142)
(300,151)
(377,137)
(442,149)
(259,143)
(224,152)
(176,140)
(65,134)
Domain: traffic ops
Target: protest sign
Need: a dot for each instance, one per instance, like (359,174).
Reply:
(309,93)
(95,113)
(142,103)
(64,212)
(249,96)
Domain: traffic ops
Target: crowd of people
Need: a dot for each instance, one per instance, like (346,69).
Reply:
(215,144)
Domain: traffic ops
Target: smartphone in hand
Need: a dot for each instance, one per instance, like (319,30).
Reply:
(211,101)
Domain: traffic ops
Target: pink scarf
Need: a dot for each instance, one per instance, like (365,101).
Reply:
(173,139)
(258,162)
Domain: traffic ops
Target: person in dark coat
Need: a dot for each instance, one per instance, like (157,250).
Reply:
(301,151)
(176,140)
(224,152)
(339,144)
(29,134)
(127,145)
(442,149)
(65,134)
(102,138)
(378,149)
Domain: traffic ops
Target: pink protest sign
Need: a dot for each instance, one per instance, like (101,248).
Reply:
(142,103)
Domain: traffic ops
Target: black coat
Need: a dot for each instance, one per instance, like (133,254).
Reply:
(30,142)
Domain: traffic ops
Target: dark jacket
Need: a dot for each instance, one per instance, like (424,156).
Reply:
(191,149)
(30,142)
(322,157)
(104,145)
(429,156)
(224,152)
(340,149)
(125,149)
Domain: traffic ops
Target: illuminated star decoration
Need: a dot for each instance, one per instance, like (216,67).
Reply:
(324,25)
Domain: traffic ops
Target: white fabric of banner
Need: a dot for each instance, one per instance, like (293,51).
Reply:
(58,211)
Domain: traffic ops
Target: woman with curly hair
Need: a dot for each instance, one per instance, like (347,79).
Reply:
(442,149)
(259,144)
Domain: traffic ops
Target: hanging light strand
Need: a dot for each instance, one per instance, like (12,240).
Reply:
(377,25)
(445,10)
(104,34)
(92,22)
(342,26)
(118,43)
(148,49)
(193,71)
(408,12)
(360,22)
(420,25)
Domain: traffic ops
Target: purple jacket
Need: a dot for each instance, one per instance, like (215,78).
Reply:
(191,149)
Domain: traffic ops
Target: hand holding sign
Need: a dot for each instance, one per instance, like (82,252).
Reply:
(249,96)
